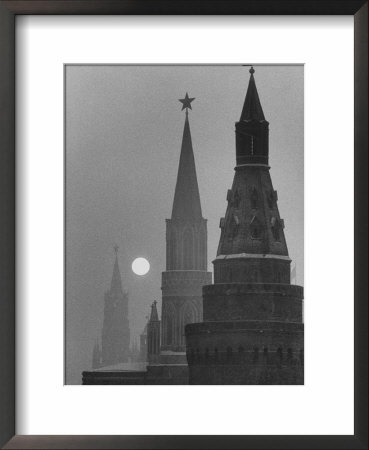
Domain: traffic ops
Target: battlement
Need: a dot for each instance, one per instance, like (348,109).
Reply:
(245,352)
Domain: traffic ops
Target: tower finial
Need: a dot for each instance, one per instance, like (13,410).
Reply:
(186,102)
(116,248)
(252,109)
(154,312)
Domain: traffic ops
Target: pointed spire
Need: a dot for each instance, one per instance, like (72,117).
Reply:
(154,317)
(252,109)
(186,204)
(116,281)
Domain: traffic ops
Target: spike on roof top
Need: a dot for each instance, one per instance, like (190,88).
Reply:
(116,281)
(186,204)
(252,109)
(154,317)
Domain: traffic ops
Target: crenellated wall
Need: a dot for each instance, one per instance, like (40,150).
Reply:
(246,352)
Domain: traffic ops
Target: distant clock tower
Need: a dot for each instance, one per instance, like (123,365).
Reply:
(115,333)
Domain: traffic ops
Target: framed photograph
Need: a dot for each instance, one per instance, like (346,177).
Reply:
(184,225)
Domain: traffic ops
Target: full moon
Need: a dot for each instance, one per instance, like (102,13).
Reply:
(140,266)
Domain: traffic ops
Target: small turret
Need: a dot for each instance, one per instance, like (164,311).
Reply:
(153,334)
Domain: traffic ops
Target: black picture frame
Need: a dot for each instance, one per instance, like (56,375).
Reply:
(8,12)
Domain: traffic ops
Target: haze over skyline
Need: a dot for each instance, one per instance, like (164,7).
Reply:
(124,129)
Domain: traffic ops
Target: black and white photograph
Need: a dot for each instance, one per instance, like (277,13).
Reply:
(184,224)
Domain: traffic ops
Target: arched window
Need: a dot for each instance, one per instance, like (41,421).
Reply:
(188,250)
(188,316)
(229,353)
(206,353)
(265,352)
(241,349)
(215,353)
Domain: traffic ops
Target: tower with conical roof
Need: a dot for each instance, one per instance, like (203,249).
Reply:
(115,333)
(153,335)
(186,251)
(252,331)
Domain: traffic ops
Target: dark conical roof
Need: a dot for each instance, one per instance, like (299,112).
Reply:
(186,203)
(252,109)
(116,281)
(154,317)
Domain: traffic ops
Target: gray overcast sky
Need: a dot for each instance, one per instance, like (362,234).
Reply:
(124,128)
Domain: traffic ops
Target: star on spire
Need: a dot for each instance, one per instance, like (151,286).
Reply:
(186,102)
(116,248)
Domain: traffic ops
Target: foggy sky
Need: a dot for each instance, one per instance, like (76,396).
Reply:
(124,128)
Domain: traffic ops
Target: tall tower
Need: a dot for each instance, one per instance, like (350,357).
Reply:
(115,333)
(186,251)
(153,335)
(252,331)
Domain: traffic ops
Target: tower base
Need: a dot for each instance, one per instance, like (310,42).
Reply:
(245,352)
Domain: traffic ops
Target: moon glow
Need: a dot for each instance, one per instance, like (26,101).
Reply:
(140,266)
